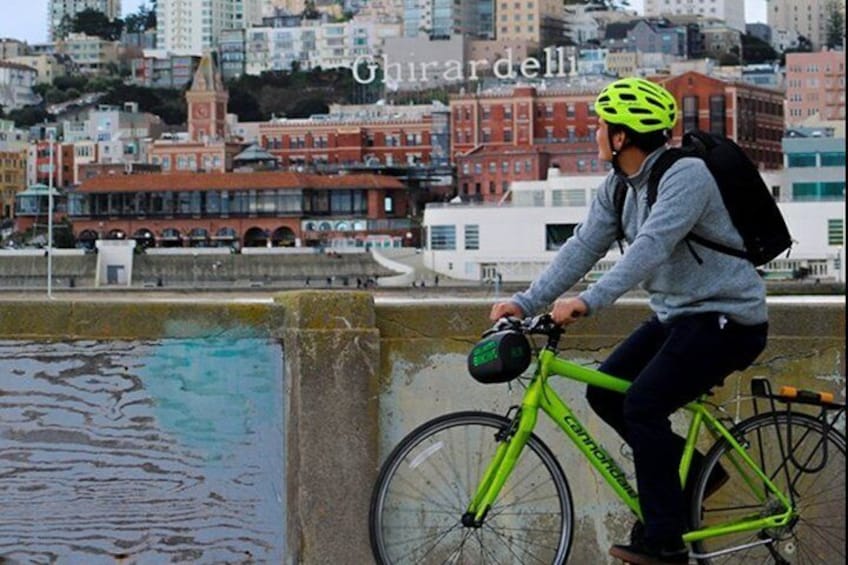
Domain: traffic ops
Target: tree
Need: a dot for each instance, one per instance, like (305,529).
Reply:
(96,23)
(835,25)
(70,81)
(141,20)
(28,116)
(755,50)
(804,46)
(728,59)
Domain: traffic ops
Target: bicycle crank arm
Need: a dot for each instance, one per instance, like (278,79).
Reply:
(730,549)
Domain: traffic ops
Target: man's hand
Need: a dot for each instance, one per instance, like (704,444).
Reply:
(504,309)
(567,310)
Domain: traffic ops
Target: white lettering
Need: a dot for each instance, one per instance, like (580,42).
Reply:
(372,69)
(473,65)
(510,73)
(530,68)
(453,66)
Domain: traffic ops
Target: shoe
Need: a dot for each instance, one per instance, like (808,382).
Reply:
(645,553)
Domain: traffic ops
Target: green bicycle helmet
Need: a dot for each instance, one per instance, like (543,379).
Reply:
(639,104)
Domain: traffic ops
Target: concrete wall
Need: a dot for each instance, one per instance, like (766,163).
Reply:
(193,271)
(183,412)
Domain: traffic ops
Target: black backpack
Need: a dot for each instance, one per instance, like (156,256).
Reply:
(752,208)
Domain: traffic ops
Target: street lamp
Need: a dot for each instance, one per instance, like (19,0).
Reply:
(51,135)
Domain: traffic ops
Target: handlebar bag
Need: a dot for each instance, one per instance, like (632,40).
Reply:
(499,357)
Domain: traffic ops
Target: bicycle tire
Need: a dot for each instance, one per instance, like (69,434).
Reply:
(426,483)
(818,535)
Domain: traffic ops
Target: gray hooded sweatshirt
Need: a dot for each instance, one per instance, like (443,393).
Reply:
(657,257)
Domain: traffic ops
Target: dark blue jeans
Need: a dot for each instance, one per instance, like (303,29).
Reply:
(670,364)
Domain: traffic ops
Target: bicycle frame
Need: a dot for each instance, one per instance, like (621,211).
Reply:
(540,395)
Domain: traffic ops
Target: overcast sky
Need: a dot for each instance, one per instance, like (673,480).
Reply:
(28,19)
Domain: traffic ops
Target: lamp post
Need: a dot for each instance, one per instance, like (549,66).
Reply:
(51,133)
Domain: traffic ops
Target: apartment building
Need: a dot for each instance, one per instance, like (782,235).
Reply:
(16,82)
(732,12)
(807,17)
(163,70)
(12,48)
(92,55)
(311,44)
(62,12)
(12,180)
(191,27)
(48,67)
(815,85)
(441,19)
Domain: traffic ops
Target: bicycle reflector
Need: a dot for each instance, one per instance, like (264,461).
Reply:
(499,357)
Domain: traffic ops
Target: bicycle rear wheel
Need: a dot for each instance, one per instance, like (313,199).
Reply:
(812,459)
(425,486)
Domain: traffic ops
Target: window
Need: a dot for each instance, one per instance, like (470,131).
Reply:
(804,190)
(557,234)
(389,205)
(472,237)
(717,114)
(835,231)
(832,190)
(802,160)
(833,159)
(690,113)
(443,238)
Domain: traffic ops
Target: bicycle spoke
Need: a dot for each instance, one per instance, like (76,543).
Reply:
(428,481)
(810,458)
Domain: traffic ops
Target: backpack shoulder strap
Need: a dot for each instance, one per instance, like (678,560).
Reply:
(663,164)
(618,197)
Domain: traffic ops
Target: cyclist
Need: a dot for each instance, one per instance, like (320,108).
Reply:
(709,314)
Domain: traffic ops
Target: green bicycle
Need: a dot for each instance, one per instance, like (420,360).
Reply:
(476,487)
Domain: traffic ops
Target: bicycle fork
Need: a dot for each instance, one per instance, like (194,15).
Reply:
(511,441)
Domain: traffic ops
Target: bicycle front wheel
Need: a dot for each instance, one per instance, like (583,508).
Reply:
(426,484)
(803,457)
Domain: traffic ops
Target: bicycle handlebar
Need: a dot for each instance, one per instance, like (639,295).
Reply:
(542,324)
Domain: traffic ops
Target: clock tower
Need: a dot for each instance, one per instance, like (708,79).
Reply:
(207,102)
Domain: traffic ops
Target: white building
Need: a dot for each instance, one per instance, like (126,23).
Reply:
(111,134)
(190,27)
(518,239)
(16,82)
(12,139)
(62,12)
(732,12)
(314,44)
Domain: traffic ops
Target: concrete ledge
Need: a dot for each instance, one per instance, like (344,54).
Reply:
(359,376)
(136,320)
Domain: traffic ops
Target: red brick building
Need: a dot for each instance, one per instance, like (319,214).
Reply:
(238,209)
(751,115)
(498,137)
(330,142)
